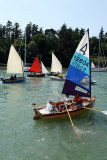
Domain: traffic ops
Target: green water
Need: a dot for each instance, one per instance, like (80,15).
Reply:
(22,138)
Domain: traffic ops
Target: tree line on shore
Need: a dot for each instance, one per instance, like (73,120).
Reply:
(62,42)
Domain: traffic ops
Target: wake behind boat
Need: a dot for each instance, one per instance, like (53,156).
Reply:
(79,67)
(14,66)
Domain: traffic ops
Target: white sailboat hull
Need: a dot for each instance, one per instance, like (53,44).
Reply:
(98,69)
(57,78)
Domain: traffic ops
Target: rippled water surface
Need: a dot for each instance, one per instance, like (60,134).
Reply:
(22,138)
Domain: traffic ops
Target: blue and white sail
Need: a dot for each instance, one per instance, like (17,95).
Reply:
(79,68)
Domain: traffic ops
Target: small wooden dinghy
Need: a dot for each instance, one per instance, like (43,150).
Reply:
(40,112)
(80,67)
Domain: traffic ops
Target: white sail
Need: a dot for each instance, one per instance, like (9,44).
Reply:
(92,65)
(44,70)
(56,66)
(14,64)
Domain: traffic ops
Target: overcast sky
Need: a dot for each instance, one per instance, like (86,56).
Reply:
(48,14)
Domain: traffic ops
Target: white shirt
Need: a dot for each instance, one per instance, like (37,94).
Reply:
(49,107)
(66,100)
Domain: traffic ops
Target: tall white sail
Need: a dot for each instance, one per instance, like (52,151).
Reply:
(14,64)
(56,66)
(44,70)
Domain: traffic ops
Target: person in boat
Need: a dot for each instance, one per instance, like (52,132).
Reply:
(50,107)
(77,100)
(62,107)
(60,75)
(12,78)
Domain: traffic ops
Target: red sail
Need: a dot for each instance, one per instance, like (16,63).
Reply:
(35,66)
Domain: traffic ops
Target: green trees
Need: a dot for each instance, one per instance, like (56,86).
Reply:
(42,43)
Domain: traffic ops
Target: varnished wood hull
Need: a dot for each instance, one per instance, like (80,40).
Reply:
(63,114)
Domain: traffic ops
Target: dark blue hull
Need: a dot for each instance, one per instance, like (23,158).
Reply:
(17,80)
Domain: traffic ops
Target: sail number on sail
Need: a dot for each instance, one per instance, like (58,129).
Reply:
(80,62)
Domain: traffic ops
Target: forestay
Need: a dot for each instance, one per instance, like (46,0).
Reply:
(56,66)
(14,64)
(78,69)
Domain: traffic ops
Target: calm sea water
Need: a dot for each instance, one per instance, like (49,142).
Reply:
(22,138)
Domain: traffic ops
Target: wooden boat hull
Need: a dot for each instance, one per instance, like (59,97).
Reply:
(63,114)
(36,75)
(17,80)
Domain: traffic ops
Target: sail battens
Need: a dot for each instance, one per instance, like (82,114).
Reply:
(56,66)
(14,64)
(78,69)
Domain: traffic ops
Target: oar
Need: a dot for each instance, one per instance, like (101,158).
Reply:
(38,103)
(105,112)
(69,116)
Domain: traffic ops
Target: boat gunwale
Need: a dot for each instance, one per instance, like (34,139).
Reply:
(38,115)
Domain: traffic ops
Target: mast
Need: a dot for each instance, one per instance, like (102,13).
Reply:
(25,49)
(99,51)
(90,64)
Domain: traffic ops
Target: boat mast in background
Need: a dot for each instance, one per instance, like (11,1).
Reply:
(25,50)
(99,51)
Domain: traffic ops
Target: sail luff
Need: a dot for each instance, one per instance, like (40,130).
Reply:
(56,66)
(14,64)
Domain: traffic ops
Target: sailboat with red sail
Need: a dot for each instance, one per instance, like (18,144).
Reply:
(35,69)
